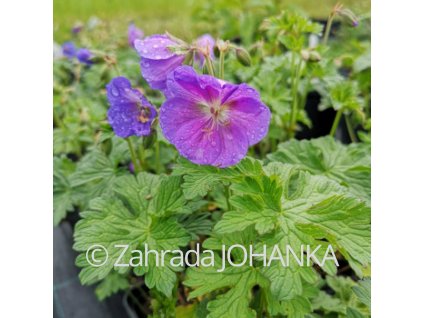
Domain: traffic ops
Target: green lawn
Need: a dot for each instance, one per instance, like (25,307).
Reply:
(160,15)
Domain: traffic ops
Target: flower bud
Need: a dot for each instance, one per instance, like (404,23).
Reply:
(315,56)
(310,56)
(305,54)
(350,16)
(242,56)
(223,46)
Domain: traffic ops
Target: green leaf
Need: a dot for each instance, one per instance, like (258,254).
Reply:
(197,224)
(125,219)
(233,303)
(363,291)
(169,198)
(354,313)
(348,165)
(292,207)
(137,192)
(297,307)
(342,95)
(64,195)
(98,169)
(200,179)
(111,285)
(328,303)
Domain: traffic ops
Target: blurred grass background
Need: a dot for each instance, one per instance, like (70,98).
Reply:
(155,16)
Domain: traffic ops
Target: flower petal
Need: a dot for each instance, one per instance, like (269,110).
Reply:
(231,92)
(192,133)
(252,116)
(155,72)
(124,113)
(155,47)
(184,82)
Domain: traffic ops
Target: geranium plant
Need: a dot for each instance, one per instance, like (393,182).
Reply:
(201,152)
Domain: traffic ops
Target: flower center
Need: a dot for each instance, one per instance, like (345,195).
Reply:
(217,112)
(144,114)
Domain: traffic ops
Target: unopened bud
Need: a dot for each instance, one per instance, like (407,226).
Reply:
(222,45)
(305,54)
(242,56)
(350,16)
(310,56)
(315,56)
(345,13)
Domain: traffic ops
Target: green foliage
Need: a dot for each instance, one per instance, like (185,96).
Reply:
(110,285)
(348,165)
(284,205)
(285,192)
(135,216)
(290,29)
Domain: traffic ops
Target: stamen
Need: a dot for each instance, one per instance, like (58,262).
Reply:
(144,115)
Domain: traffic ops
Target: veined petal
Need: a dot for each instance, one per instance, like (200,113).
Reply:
(252,115)
(123,120)
(157,60)
(130,113)
(155,72)
(184,82)
(155,47)
(211,122)
(231,92)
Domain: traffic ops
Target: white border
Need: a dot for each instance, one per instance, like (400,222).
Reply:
(26,152)
(26,227)
(397,158)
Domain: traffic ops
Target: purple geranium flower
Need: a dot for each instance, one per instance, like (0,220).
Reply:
(134,34)
(209,121)
(69,49)
(204,43)
(130,113)
(77,28)
(84,56)
(157,61)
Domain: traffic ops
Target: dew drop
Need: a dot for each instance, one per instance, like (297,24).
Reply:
(115,92)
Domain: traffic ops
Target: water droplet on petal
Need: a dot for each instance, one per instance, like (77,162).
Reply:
(115,91)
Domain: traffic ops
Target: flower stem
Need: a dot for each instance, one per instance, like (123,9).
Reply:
(350,128)
(327,28)
(141,154)
(294,106)
(209,64)
(157,150)
(133,156)
(336,123)
(227,196)
(222,64)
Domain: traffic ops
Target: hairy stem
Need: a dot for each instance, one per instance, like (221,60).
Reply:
(350,128)
(222,64)
(336,122)
(209,64)
(133,156)
(227,196)
(327,28)
(157,153)
(294,93)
